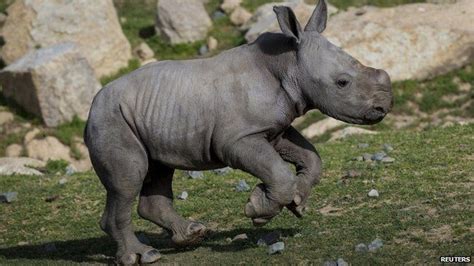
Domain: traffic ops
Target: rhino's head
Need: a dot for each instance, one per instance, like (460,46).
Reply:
(330,79)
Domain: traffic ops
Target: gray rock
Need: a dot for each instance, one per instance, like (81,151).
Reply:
(330,263)
(378,156)
(222,171)
(8,197)
(62,181)
(54,83)
(269,239)
(70,170)
(373,193)
(361,248)
(203,50)
(242,186)
(182,21)
(50,247)
(387,147)
(275,248)
(375,245)
(20,166)
(367,157)
(388,160)
(363,145)
(342,262)
(92,25)
(195,174)
(240,237)
(183,195)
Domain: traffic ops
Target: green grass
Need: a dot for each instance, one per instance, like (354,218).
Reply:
(424,210)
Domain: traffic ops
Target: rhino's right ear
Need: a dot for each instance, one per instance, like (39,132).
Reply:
(318,20)
(288,23)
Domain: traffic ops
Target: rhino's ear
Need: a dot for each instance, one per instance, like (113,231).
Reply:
(318,20)
(288,23)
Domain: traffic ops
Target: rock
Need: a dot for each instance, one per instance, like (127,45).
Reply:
(218,14)
(144,52)
(13,150)
(30,135)
(319,128)
(388,160)
(50,247)
(367,157)
(358,158)
(62,181)
(183,195)
(49,148)
(330,263)
(92,25)
(269,239)
(427,40)
(298,235)
(70,170)
(203,50)
(5,117)
(387,147)
(342,262)
(242,186)
(275,248)
(54,83)
(363,145)
(240,16)
(378,156)
(264,18)
(361,248)
(20,166)
(212,43)
(182,21)
(229,5)
(195,174)
(375,245)
(349,131)
(240,237)
(222,171)
(373,193)
(8,197)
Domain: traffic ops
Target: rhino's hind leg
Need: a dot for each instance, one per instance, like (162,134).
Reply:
(156,205)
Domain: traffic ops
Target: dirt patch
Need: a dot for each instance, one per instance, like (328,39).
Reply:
(329,210)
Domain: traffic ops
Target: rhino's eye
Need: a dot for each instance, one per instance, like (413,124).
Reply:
(341,83)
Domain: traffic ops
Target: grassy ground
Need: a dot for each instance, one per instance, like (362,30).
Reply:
(425,210)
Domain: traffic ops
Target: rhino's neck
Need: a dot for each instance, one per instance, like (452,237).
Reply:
(276,55)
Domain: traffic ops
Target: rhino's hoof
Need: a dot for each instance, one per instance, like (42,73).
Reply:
(150,256)
(195,233)
(128,259)
(260,208)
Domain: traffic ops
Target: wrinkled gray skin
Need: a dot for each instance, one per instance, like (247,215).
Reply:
(234,109)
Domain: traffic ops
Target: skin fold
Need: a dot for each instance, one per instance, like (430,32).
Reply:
(234,109)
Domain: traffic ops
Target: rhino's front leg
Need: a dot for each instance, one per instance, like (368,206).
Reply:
(295,149)
(258,157)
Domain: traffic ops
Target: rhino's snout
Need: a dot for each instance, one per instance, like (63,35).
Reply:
(383,99)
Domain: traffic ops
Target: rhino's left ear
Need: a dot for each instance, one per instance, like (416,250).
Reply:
(288,23)
(318,20)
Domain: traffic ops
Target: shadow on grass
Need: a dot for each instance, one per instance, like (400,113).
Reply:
(102,249)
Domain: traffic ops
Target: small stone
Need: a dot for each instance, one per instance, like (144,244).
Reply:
(228,239)
(222,171)
(195,174)
(240,16)
(361,248)
(218,14)
(275,248)
(229,5)
(62,181)
(240,237)
(144,239)
(8,197)
(376,244)
(5,117)
(373,193)
(387,147)
(342,262)
(242,186)
(144,52)
(203,50)
(212,43)
(363,145)
(70,170)
(269,239)
(330,263)
(298,235)
(358,158)
(183,195)
(367,157)
(13,150)
(51,247)
(388,160)
(378,156)
(31,135)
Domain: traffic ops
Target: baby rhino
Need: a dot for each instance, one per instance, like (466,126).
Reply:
(234,109)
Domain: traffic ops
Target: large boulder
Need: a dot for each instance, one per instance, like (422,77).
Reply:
(92,25)
(321,127)
(415,41)
(264,19)
(182,21)
(54,83)
(20,166)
